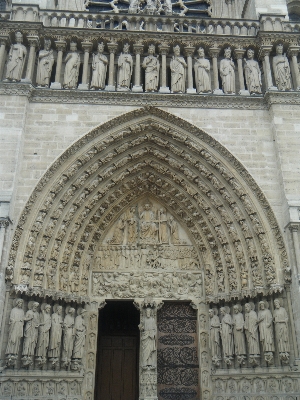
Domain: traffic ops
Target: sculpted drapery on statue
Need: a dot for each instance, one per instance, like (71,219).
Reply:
(32,322)
(43,332)
(151,66)
(68,339)
(72,67)
(214,335)
(281,69)
(45,65)
(252,73)
(202,71)
(148,226)
(265,327)
(16,59)
(56,332)
(99,66)
(132,226)
(281,319)
(226,332)
(80,333)
(178,72)
(251,329)
(148,330)
(15,332)
(125,66)
(238,331)
(227,72)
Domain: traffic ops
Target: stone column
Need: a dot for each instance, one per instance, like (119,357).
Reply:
(214,53)
(294,230)
(163,49)
(61,47)
(34,43)
(293,52)
(138,49)
(112,47)
(189,51)
(87,47)
(4,222)
(264,55)
(3,43)
(239,53)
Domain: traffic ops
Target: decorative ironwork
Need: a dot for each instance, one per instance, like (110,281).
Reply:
(177,340)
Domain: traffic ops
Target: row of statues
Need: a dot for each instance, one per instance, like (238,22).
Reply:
(46,336)
(151,65)
(232,333)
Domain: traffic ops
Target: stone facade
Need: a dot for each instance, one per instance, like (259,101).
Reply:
(150,156)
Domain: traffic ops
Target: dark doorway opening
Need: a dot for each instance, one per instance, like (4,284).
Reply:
(118,352)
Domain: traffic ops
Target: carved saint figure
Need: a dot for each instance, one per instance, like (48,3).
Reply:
(148,226)
(72,67)
(56,332)
(281,69)
(226,332)
(15,332)
(202,70)
(178,72)
(174,230)
(45,64)
(44,330)
(125,65)
(281,318)
(16,59)
(32,321)
(265,327)
(118,235)
(252,73)
(148,339)
(99,66)
(163,226)
(251,329)
(227,72)
(131,226)
(214,334)
(238,331)
(80,332)
(68,340)
(151,66)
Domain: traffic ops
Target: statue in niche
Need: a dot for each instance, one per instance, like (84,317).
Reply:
(72,67)
(238,331)
(265,327)
(99,66)
(68,340)
(151,66)
(252,73)
(226,332)
(125,66)
(202,71)
(45,65)
(163,226)
(214,335)
(55,332)
(280,318)
(43,333)
(15,332)
(16,60)
(32,322)
(148,225)
(227,72)
(251,329)
(281,68)
(80,333)
(148,330)
(174,230)
(131,226)
(178,72)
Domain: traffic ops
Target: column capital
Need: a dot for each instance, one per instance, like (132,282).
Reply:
(4,222)
(87,46)
(293,50)
(164,49)
(239,53)
(189,50)
(214,51)
(4,40)
(138,48)
(264,50)
(33,41)
(60,45)
(112,47)
(294,227)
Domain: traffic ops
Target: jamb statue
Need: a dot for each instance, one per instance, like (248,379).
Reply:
(15,332)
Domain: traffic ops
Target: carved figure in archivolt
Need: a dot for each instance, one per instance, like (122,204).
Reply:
(68,338)
(43,332)
(281,69)
(226,332)
(148,224)
(265,327)
(80,333)
(16,59)
(251,329)
(72,67)
(202,71)
(252,73)
(125,66)
(32,322)
(148,330)
(151,66)
(238,331)
(281,319)
(227,72)
(15,332)
(99,66)
(55,332)
(45,65)
(214,334)
(178,72)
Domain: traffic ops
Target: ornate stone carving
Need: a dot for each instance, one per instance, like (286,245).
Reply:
(71,73)
(43,334)
(68,337)
(15,333)
(251,330)
(227,334)
(79,336)
(281,69)
(202,72)
(178,72)
(151,65)
(252,73)
(238,334)
(99,66)
(227,72)
(214,336)
(125,68)
(280,318)
(16,60)
(45,65)
(265,323)
(32,322)
(55,335)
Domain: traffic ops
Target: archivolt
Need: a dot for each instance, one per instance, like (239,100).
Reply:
(149,152)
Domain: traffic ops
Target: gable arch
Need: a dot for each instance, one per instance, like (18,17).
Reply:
(149,152)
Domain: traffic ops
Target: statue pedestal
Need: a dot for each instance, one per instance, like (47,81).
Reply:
(137,88)
(244,93)
(83,86)
(272,89)
(191,91)
(110,88)
(218,92)
(164,89)
(26,80)
(55,85)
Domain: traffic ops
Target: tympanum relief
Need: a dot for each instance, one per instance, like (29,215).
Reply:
(147,253)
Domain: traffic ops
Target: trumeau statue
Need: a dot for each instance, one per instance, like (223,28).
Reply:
(238,331)
(80,333)
(43,332)
(226,332)
(16,59)
(227,72)
(214,335)
(56,332)
(252,73)
(178,72)
(99,66)
(72,67)
(15,333)
(148,330)
(125,67)
(202,71)
(265,327)
(45,64)
(281,69)
(280,318)
(151,66)
(251,329)
(32,322)
(68,339)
